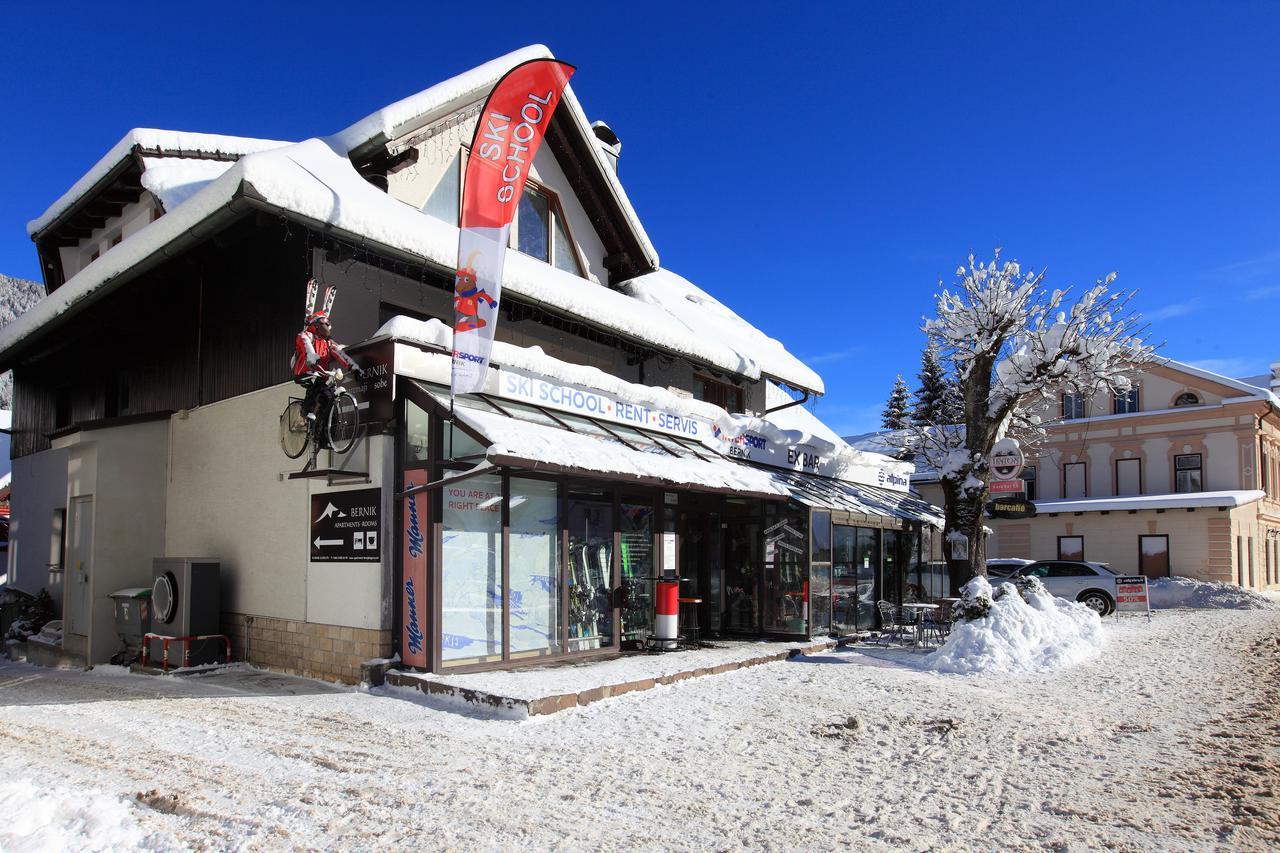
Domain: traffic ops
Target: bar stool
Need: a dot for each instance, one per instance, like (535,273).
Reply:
(689,629)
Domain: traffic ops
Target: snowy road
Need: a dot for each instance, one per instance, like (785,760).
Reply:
(1169,740)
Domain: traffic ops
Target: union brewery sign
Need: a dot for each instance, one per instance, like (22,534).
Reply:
(1006,459)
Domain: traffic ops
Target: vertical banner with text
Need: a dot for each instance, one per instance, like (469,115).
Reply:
(511,127)
(413,613)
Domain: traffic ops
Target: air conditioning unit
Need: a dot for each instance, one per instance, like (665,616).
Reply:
(185,602)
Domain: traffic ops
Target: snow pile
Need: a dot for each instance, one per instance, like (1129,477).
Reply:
(1023,631)
(40,819)
(1166,593)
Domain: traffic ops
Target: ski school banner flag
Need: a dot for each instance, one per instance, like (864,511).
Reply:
(511,127)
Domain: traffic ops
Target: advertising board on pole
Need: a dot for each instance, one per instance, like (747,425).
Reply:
(414,597)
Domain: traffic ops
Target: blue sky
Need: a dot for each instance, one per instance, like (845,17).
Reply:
(818,169)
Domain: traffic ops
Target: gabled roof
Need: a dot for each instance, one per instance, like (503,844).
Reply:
(157,143)
(1246,389)
(395,121)
(315,182)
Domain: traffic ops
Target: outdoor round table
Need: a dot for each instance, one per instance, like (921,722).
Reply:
(919,608)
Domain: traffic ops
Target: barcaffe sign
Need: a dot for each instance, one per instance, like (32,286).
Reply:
(1006,459)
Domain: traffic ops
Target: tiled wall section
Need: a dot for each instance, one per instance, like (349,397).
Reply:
(331,652)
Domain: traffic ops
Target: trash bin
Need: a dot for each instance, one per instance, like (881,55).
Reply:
(133,619)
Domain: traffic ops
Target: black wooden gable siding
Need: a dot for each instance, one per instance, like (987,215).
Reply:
(217,323)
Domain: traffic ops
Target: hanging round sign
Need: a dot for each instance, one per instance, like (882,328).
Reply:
(1006,459)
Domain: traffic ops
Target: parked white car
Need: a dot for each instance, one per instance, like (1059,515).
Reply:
(1002,567)
(1091,584)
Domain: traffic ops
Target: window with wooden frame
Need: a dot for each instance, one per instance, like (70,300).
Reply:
(723,394)
(1125,402)
(1187,473)
(1029,477)
(1073,480)
(1072,405)
(1186,398)
(1070,547)
(1128,477)
(542,230)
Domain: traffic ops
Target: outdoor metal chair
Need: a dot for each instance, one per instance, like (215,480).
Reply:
(893,622)
(938,622)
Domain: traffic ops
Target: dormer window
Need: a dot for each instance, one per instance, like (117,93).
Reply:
(542,231)
(1187,398)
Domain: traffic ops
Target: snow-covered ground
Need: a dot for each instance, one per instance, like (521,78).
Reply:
(1167,739)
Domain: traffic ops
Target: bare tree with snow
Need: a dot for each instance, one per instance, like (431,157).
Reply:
(1012,344)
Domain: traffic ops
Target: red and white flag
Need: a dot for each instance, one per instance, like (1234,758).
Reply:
(511,127)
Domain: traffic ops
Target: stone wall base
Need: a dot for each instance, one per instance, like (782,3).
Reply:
(330,652)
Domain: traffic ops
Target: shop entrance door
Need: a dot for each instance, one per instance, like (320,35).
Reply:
(742,560)
(79,550)
(701,570)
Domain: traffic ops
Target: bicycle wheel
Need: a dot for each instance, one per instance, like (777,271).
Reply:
(344,422)
(293,430)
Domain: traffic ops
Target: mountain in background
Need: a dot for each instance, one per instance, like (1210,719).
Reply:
(16,296)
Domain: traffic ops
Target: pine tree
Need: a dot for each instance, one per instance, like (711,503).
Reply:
(929,401)
(952,403)
(894,416)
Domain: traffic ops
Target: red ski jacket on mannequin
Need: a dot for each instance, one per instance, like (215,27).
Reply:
(312,353)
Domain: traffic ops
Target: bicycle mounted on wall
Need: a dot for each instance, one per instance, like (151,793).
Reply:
(328,418)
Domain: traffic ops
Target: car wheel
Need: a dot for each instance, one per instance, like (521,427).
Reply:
(1098,602)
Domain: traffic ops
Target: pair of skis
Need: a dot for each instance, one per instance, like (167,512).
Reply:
(313,291)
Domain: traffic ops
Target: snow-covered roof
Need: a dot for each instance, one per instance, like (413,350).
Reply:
(150,139)
(704,315)
(535,444)
(1248,389)
(418,110)
(315,182)
(173,180)
(1170,501)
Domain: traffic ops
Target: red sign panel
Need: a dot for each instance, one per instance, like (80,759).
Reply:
(1007,487)
(414,594)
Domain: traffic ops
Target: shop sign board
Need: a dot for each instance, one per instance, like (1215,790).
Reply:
(415,516)
(669,563)
(346,526)
(519,385)
(1007,487)
(1006,459)
(375,397)
(1011,508)
(594,404)
(1131,594)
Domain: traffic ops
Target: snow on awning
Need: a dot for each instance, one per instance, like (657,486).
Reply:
(524,436)
(1183,500)
(826,493)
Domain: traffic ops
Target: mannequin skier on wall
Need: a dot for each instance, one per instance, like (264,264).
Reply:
(315,354)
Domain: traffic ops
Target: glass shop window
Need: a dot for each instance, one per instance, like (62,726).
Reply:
(786,572)
(638,569)
(820,573)
(590,567)
(534,548)
(471,593)
(416,435)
